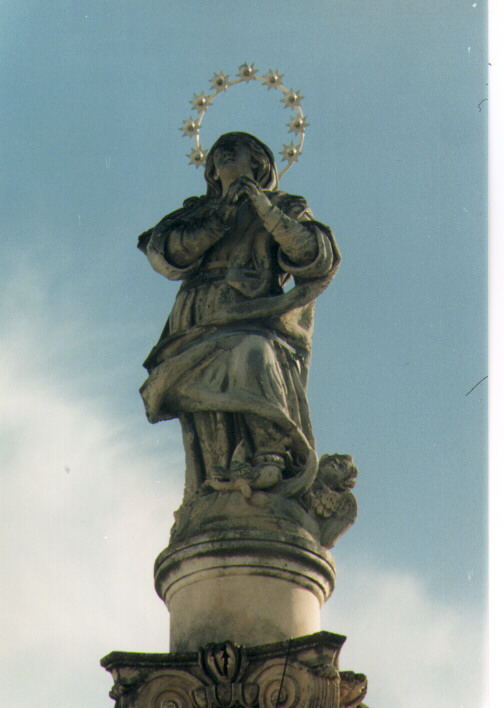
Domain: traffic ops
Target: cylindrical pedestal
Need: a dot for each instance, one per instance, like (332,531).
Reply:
(247,589)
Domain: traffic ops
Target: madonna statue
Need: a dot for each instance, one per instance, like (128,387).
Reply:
(232,361)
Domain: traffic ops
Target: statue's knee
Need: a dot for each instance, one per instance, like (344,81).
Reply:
(252,355)
(259,353)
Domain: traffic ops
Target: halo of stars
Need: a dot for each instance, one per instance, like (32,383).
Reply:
(246,72)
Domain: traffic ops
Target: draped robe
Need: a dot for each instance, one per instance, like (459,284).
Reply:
(232,361)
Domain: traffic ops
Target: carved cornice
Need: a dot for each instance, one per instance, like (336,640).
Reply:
(300,673)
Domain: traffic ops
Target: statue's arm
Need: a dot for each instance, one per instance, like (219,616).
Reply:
(302,240)
(175,247)
(185,244)
(297,242)
(307,248)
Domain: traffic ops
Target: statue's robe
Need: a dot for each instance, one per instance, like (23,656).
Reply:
(232,361)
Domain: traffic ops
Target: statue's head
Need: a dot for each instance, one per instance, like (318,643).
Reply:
(262,162)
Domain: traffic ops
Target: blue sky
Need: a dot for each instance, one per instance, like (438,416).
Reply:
(394,161)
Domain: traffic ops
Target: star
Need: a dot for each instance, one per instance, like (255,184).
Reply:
(273,79)
(220,81)
(290,153)
(201,102)
(190,128)
(246,72)
(297,124)
(292,99)
(197,156)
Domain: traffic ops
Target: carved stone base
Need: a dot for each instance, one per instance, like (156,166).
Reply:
(251,588)
(298,673)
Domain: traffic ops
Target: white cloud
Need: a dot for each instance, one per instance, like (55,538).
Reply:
(415,650)
(85,512)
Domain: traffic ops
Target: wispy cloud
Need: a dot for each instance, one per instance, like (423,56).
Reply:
(86,509)
(415,649)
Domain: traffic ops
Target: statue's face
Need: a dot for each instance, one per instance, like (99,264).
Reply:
(236,155)
(232,159)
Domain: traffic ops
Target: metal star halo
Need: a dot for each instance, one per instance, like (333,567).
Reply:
(201,102)
(246,72)
(290,152)
(297,124)
(292,99)
(197,156)
(190,127)
(220,81)
(273,79)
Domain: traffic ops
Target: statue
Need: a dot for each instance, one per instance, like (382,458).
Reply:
(246,569)
(232,361)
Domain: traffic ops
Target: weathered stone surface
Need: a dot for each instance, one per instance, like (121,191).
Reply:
(255,587)
(232,361)
(247,562)
(321,514)
(299,673)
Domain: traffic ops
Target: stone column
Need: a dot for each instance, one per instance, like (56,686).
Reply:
(248,589)
(244,578)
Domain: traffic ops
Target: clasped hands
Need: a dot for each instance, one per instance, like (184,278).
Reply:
(243,187)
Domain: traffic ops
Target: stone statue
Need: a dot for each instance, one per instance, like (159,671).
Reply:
(232,361)
(247,567)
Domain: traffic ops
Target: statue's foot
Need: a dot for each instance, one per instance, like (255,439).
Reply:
(268,476)
(233,485)
(268,469)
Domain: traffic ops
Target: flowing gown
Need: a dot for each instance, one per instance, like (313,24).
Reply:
(232,361)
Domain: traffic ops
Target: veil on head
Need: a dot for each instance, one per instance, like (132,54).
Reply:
(265,171)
